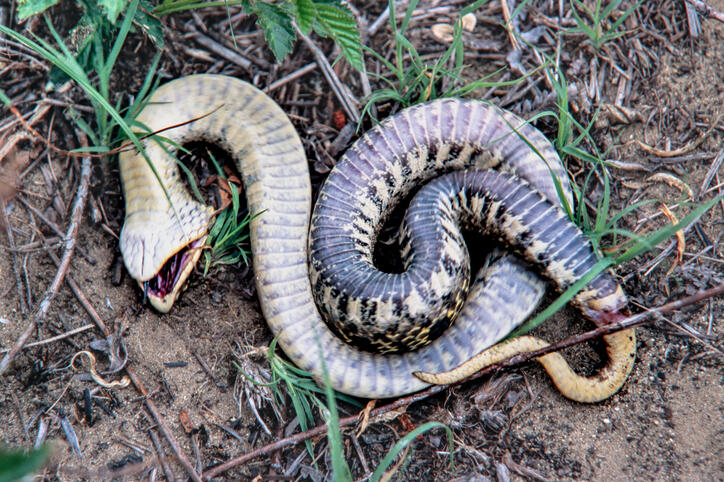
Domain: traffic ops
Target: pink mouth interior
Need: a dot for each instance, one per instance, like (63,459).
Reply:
(168,276)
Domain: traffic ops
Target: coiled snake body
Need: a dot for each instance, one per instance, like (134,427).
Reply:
(374,175)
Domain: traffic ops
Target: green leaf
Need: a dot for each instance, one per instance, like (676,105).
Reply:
(27,8)
(336,21)
(16,464)
(305,13)
(113,8)
(149,23)
(5,99)
(277,26)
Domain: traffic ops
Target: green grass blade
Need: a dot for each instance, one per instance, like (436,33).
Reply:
(120,39)
(564,298)
(405,441)
(667,231)
(340,468)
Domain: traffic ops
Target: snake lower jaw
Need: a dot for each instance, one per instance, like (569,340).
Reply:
(164,288)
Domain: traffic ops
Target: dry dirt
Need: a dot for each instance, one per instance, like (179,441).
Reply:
(667,423)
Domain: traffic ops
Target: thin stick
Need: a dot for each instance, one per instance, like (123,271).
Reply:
(220,50)
(40,111)
(11,242)
(161,456)
(708,11)
(67,334)
(630,322)
(69,246)
(208,371)
(348,104)
(509,25)
(288,78)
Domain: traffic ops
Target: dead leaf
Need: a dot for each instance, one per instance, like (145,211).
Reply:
(671,180)
(442,32)
(468,21)
(680,240)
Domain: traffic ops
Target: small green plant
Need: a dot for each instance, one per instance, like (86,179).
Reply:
(299,385)
(304,393)
(230,229)
(329,18)
(594,25)
(405,441)
(419,80)
(18,464)
(96,87)
(97,23)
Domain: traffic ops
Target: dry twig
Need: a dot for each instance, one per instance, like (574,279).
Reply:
(707,10)
(630,322)
(160,422)
(348,104)
(55,338)
(69,247)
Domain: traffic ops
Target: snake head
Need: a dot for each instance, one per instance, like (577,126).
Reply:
(611,308)
(160,250)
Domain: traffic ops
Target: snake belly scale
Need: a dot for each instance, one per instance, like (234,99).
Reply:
(381,168)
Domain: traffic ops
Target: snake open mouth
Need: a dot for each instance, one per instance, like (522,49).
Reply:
(163,288)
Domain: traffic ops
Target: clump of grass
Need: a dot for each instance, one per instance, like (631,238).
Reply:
(230,230)
(110,124)
(418,80)
(574,140)
(305,393)
(594,26)
(288,380)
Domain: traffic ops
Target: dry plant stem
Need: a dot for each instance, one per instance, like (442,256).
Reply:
(208,371)
(630,322)
(160,422)
(713,170)
(509,24)
(13,252)
(161,457)
(288,78)
(51,225)
(28,126)
(348,104)
(708,11)
(40,112)
(56,338)
(220,50)
(379,22)
(68,248)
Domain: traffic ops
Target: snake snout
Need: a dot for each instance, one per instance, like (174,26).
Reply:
(160,250)
(608,309)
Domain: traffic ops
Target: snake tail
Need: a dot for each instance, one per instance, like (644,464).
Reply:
(620,350)
(503,206)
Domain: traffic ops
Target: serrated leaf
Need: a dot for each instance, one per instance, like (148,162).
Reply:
(336,21)
(28,8)
(305,13)
(113,8)
(149,23)
(277,26)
